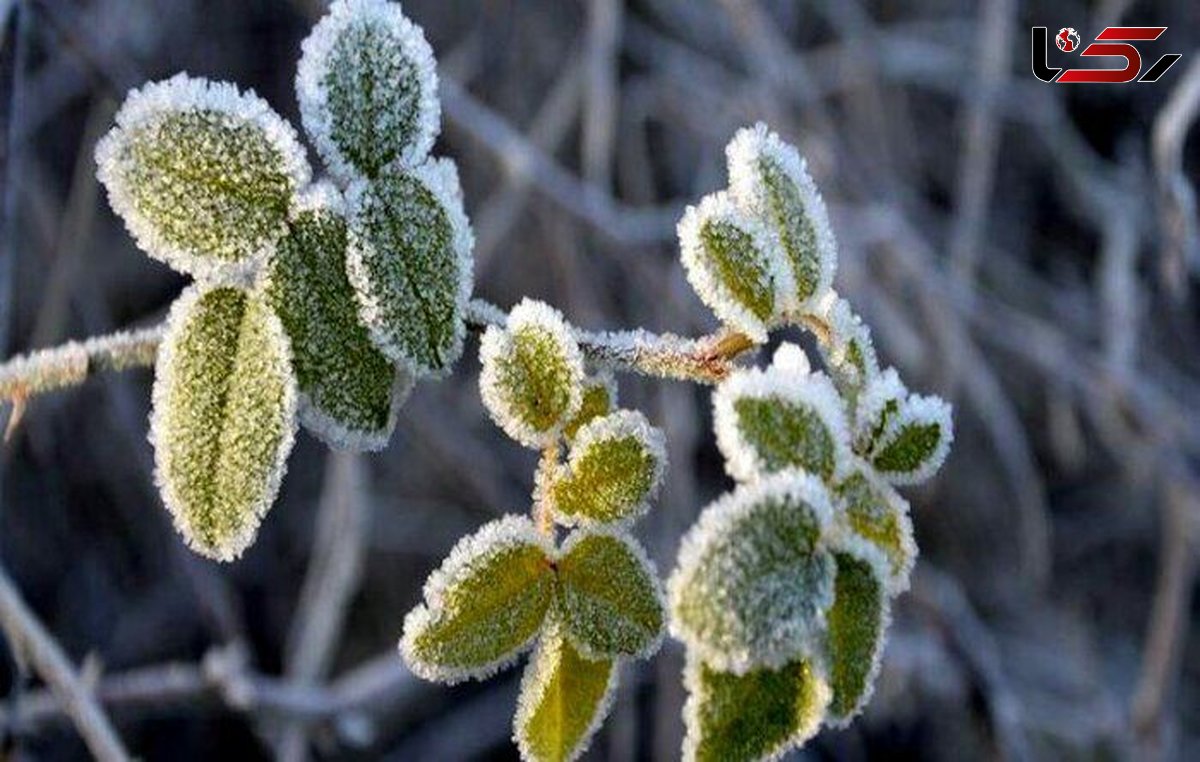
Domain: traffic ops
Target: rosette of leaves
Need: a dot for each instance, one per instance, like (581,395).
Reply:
(587,605)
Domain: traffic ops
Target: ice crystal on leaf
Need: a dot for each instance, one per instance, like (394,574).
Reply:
(223,418)
(202,174)
(532,374)
(616,465)
(367,85)
(350,393)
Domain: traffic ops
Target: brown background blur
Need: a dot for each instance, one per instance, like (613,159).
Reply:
(1026,250)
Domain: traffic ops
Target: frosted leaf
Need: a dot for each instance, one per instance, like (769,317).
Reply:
(734,264)
(532,375)
(858,622)
(368,89)
(849,352)
(775,419)
(915,441)
(614,471)
(350,393)
(877,404)
(409,260)
(753,577)
(202,174)
(768,180)
(223,417)
(610,601)
(869,508)
(760,715)
(484,606)
(598,398)
(564,699)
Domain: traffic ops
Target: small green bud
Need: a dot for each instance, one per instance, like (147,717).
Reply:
(849,352)
(223,418)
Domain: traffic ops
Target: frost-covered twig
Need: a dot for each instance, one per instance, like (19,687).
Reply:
(31,643)
(47,370)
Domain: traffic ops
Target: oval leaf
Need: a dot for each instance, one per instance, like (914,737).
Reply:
(872,510)
(753,577)
(564,699)
(350,392)
(616,466)
(532,375)
(609,596)
(202,174)
(858,623)
(223,418)
(758,715)
(768,179)
(368,88)
(780,418)
(484,605)
(734,265)
(409,260)
(915,442)
(598,398)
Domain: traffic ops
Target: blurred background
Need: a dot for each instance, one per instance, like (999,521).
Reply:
(1027,250)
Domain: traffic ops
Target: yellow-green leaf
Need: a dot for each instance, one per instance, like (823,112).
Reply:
(598,399)
(871,509)
(224,416)
(858,623)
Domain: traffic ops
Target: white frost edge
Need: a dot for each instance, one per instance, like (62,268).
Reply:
(873,399)
(323,195)
(180,94)
(845,326)
(707,284)
(715,521)
(814,391)
(691,713)
(160,397)
(533,689)
(866,551)
(918,409)
(648,566)
(440,177)
(493,537)
(749,192)
(898,581)
(616,425)
(496,343)
(314,62)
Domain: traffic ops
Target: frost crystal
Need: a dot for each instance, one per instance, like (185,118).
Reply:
(409,260)
(858,622)
(532,376)
(734,264)
(616,466)
(368,89)
(202,174)
(350,393)
(768,180)
(770,420)
(753,577)
(484,606)
(915,442)
(223,417)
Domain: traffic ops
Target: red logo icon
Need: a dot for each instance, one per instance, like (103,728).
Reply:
(1067,39)
(1113,42)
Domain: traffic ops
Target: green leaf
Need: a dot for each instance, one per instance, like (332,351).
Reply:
(759,715)
(532,375)
(733,264)
(202,174)
(769,180)
(915,441)
(350,392)
(858,623)
(615,468)
(876,407)
(753,577)
(598,399)
(223,418)
(564,699)
(847,348)
(875,512)
(409,260)
(609,596)
(483,606)
(368,89)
